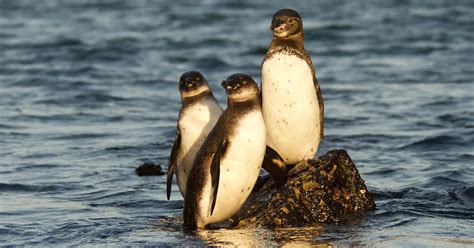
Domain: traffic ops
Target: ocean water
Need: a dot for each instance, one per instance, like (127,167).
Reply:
(89,90)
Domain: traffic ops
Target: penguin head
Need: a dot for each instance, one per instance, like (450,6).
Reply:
(240,87)
(192,83)
(286,22)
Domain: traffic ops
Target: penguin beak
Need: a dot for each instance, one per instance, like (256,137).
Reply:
(226,85)
(278,25)
(229,86)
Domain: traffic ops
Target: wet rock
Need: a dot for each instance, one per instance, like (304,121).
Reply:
(328,189)
(149,169)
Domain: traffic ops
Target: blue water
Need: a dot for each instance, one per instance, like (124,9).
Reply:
(89,90)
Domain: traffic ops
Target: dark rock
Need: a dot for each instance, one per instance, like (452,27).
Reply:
(328,189)
(149,169)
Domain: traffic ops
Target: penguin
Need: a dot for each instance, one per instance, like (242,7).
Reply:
(228,164)
(197,116)
(292,104)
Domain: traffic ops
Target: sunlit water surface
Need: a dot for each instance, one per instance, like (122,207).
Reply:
(88,91)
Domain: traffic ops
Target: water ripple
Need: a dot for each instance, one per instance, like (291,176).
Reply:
(15,187)
(89,89)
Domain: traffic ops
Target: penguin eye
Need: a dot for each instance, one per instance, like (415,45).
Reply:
(294,19)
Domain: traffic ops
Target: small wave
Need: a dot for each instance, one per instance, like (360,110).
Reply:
(105,53)
(216,41)
(6,126)
(141,204)
(88,194)
(58,43)
(467,157)
(402,221)
(256,51)
(374,138)
(108,196)
(339,122)
(452,213)
(203,18)
(98,5)
(212,62)
(437,143)
(239,5)
(97,97)
(177,59)
(440,103)
(337,26)
(67,42)
(83,136)
(413,202)
(70,85)
(325,30)
(122,148)
(338,52)
(463,118)
(16,187)
(425,124)
(45,118)
(37,166)
(384,195)
(16,134)
(140,147)
(5,187)
(39,155)
(465,195)
(147,82)
(383,172)
(31,81)
(444,182)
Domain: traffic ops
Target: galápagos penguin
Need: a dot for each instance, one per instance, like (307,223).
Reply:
(292,104)
(228,163)
(197,117)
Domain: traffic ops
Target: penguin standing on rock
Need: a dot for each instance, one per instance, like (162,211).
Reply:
(197,117)
(292,104)
(228,163)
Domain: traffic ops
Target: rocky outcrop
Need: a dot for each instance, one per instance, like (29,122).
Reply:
(326,190)
(149,169)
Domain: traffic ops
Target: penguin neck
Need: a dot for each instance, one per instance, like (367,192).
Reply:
(246,105)
(290,45)
(196,98)
(293,41)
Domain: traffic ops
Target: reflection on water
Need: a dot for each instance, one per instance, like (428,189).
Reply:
(260,237)
(256,237)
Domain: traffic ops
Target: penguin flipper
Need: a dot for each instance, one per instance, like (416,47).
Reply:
(318,95)
(172,163)
(215,173)
(321,106)
(275,166)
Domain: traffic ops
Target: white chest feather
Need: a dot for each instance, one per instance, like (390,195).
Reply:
(239,169)
(194,125)
(290,107)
